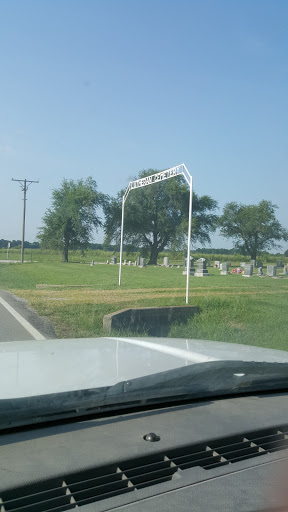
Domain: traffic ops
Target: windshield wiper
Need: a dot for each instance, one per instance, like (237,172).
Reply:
(202,380)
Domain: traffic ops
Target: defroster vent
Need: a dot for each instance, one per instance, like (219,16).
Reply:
(77,489)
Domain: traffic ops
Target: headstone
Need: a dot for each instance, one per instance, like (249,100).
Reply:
(125,262)
(113,260)
(259,263)
(260,271)
(271,270)
(142,262)
(135,263)
(92,263)
(166,261)
(279,263)
(192,269)
(220,266)
(216,264)
(191,262)
(224,269)
(107,262)
(285,270)
(253,262)
(248,270)
(138,260)
(201,270)
(129,263)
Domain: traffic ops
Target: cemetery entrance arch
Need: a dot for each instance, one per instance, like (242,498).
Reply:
(179,170)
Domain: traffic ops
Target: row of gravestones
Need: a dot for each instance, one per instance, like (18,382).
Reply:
(248,270)
(201,270)
(202,264)
(259,263)
(140,262)
(270,272)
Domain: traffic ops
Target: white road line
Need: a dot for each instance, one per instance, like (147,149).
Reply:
(36,334)
(194,357)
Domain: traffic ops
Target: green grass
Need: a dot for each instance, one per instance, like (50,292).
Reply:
(252,320)
(232,308)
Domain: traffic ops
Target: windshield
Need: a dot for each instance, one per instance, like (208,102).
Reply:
(144,224)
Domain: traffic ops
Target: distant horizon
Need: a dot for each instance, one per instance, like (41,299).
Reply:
(198,250)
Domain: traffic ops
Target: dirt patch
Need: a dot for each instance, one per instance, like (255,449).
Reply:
(95,296)
(237,325)
(124,296)
(40,286)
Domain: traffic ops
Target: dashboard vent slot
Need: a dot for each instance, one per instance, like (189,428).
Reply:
(88,487)
(237,448)
(81,488)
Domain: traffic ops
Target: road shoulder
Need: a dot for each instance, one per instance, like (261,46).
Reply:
(40,323)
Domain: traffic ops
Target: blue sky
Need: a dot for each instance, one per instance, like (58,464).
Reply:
(108,88)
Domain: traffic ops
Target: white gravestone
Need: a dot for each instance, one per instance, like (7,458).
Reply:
(248,270)
(271,270)
(201,270)
(224,269)
(192,269)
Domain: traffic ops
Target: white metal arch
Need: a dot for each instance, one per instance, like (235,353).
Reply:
(179,170)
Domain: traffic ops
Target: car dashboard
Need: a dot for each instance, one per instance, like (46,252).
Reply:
(220,454)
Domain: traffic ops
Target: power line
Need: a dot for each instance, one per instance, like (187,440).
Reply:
(24,184)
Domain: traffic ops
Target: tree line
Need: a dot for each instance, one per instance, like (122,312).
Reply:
(156,217)
(17,243)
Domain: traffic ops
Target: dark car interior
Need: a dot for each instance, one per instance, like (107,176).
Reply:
(210,454)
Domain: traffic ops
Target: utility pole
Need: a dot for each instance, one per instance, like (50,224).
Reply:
(24,184)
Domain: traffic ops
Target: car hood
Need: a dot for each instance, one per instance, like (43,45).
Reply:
(33,368)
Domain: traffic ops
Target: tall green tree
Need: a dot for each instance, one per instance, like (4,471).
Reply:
(70,222)
(253,228)
(156,216)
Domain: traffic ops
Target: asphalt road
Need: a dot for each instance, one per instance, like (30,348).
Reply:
(19,322)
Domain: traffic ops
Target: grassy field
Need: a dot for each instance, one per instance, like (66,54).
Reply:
(234,309)
(77,256)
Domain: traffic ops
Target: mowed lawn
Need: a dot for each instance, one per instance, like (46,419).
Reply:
(232,308)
